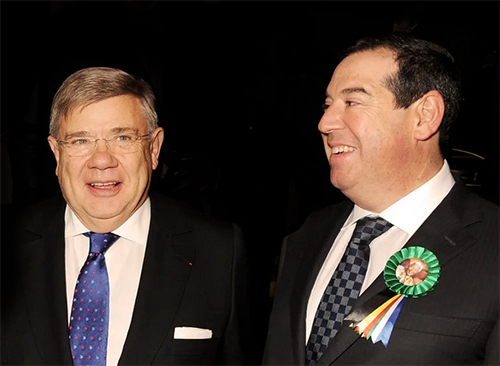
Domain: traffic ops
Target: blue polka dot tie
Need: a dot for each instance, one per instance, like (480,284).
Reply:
(344,287)
(88,327)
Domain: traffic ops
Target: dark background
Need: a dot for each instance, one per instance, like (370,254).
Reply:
(239,88)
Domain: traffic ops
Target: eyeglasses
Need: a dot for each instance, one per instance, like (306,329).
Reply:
(120,144)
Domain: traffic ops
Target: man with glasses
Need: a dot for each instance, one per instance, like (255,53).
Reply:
(160,284)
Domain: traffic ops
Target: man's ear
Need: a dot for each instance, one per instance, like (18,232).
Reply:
(53,146)
(430,111)
(156,142)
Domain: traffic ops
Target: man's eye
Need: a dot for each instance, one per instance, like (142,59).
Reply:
(79,142)
(324,107)
(123,138)
(350,103)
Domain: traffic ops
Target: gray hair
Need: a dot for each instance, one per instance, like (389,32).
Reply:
(94,84)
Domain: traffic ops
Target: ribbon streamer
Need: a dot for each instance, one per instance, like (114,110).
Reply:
(379,324)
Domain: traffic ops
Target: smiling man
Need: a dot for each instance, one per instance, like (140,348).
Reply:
(388,109)
(160,284)
(106,181)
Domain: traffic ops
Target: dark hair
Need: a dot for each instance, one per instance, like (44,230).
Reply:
(423,66)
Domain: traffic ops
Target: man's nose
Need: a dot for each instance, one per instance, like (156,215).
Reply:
(332,119)
(102,157)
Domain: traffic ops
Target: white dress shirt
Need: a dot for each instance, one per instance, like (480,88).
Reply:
(124,263)
(406,215)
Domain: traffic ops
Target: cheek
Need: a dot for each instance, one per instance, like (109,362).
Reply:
(74,173)
(69,176)
(364,128)
(68,171)
(401,143)
(138,169)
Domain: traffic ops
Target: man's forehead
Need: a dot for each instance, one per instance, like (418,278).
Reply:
(114,104)
(116,130)
(105,115)
(81,105)
(363,72)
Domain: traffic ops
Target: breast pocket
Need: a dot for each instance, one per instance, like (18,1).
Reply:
(188,352)
(439,325)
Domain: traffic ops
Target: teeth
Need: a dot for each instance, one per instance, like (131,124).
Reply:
(342,149)
(103,184)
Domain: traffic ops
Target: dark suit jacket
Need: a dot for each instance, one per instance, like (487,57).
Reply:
(456,323)
(210,293)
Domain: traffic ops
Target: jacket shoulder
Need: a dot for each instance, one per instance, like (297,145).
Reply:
(40,216)
(471,206)
(180,213)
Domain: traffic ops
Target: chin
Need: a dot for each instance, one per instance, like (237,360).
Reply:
(336,182)
(100,215)
(343,179)
(104,210)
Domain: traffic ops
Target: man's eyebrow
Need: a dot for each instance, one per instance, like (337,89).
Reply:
(114,131)
(77,134)
(117,130)
(353,90)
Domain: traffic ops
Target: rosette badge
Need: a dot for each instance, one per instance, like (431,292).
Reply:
(412,272)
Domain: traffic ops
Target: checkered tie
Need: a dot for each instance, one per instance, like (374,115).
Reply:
(88,327)
(344,287)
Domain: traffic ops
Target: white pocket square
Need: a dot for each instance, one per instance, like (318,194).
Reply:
(192,333)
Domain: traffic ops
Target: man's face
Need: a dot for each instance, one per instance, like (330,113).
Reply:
(367,140)
(413,268)
(104,189)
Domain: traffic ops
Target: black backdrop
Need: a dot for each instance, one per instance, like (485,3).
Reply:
(239,87)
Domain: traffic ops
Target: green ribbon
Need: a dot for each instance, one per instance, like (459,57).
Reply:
(424,287)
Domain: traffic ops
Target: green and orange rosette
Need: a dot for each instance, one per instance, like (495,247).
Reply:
(411,272)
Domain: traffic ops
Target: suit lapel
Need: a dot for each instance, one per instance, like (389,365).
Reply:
(443,233)
(166,269)
(316,248)
(43,279)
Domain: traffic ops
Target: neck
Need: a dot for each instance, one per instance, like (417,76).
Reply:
(376,198)
(102,226)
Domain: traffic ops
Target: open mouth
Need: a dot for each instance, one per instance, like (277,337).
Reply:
(342,149)
(107,185)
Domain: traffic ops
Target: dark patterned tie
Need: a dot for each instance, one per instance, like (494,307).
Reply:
(88,328)
(344,287)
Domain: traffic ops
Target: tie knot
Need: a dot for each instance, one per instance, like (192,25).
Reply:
(100,243)
(368,228)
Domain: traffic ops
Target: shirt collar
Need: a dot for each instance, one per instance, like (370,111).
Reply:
(136,228)
(413,209)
